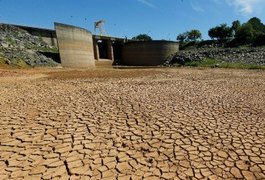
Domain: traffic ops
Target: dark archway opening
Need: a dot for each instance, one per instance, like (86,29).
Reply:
(103,49)
(117,50)
(53,55)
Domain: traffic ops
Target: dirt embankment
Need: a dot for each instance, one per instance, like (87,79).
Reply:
(19,48)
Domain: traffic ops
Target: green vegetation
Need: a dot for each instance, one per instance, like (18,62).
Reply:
(16,63)
(2,61)
(250,33)
(142,37)
(11,41)
(46,49)
(221,32)
(213,63)
(189,36)
(21,63)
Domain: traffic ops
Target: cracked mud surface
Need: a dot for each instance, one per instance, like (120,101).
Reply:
(132,124)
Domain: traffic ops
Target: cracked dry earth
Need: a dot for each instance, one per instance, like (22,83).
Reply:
(132,124)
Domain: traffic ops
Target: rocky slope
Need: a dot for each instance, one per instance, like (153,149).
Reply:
(246,55)
(19,48)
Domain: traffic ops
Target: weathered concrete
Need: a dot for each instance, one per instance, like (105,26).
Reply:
(111,52)
(75,46)
(148,53)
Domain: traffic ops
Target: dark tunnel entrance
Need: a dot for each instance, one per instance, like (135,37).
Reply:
(103,49)
(117,51)
(108,48)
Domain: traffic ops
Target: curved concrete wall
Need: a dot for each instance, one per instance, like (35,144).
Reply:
(75,46)
(148,53)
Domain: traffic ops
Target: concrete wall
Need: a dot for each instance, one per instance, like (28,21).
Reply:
(78,48)
(47,35)
(107,47)
(75,46)
(148,53)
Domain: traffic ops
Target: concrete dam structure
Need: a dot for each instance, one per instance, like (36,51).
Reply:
(79,48)
(148,53)
(75,46)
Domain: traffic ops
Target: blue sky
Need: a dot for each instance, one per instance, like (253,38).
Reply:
(161,19)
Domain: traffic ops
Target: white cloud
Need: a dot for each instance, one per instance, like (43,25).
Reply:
(246,7)
(196,7)
(147,3)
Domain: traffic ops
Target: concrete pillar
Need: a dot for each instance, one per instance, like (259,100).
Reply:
(96,49)
(110,50)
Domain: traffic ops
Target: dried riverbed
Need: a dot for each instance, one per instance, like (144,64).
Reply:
(132,124)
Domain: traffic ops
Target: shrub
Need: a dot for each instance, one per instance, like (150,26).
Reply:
(142,37)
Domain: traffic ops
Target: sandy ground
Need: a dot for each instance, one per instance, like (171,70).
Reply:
(132,124)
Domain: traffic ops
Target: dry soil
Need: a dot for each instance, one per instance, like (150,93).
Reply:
(132,124)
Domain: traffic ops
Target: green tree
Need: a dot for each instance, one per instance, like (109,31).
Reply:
(253,31)
(235,25)
(213,33)
(245,34)
(182,37)
(142,37)
(194,35)
(257,25)
(220,32)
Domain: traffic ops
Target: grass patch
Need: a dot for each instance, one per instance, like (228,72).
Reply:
(241,66)
(3,63)
(213,63)
(46,49)
(203,63)
(11,41)
(20,63)
(2,60)
(15,63)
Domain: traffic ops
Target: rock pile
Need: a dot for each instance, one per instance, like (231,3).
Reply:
(248,55)
(17,45)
